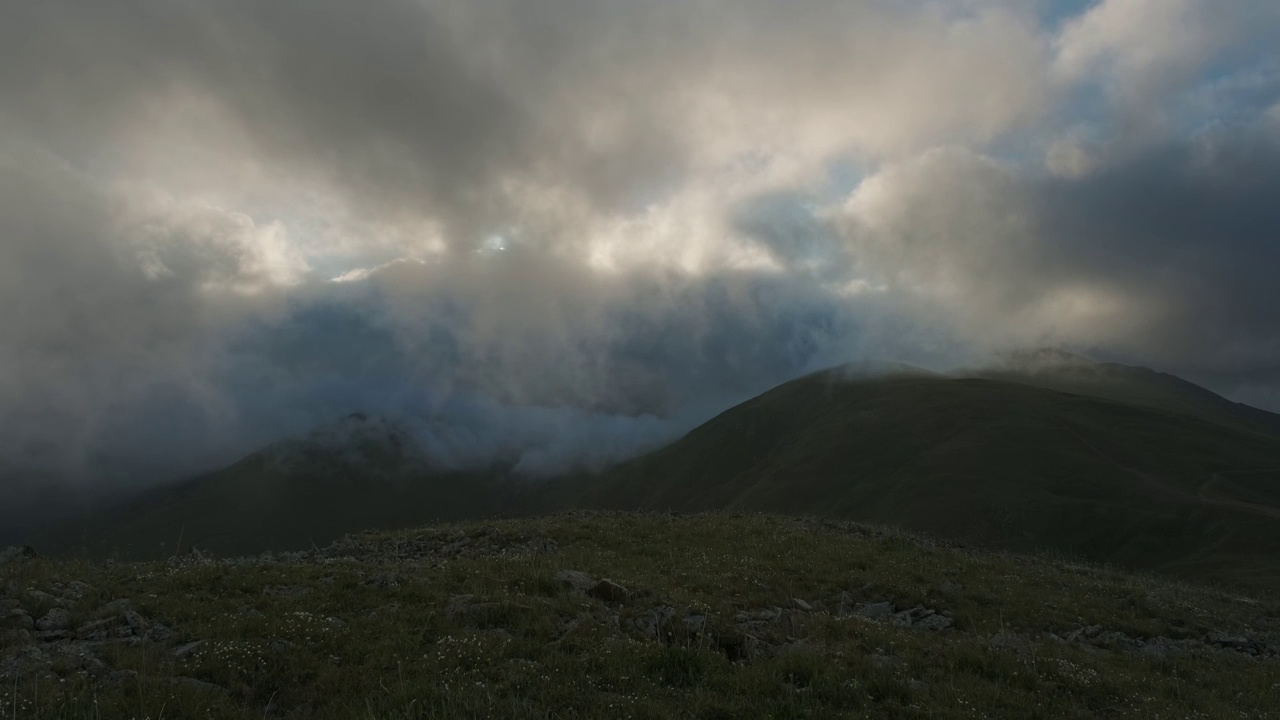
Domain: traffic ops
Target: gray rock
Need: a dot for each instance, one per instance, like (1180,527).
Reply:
(608,591)
(78,657)
(192,684)
(187,650)
(24,661)
(935,622)
(99,629)
(1011,643)
(137,623)
(875,610)
(886,661)
(384,581)
(575,580)
(16,619)
(56,619)
(1161,646)
(655,622)
(801,605)
(159,633)
(459,604)
(75,591)
(902,619)
(389,609)
(116,607)
(39,597)
(118,679)
(695,623)
(1227,640)
(287,592)
(16,554)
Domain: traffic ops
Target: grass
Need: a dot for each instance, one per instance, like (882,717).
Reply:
(389,632)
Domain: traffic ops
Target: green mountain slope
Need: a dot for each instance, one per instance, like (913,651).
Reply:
(357,474)
(1057,370)
(999,463)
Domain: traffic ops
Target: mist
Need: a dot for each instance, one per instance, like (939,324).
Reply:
(564,233)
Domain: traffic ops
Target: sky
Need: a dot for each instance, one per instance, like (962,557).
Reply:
(568,230)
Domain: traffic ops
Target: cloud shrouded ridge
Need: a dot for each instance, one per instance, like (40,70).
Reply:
(569,230)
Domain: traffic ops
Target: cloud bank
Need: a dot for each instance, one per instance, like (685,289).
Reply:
(569,230)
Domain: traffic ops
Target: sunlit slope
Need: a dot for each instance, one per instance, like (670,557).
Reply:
(999,463)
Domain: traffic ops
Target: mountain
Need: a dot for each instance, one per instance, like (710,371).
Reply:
(355,474)
(1058,370)
(1194,491)
(1043,453)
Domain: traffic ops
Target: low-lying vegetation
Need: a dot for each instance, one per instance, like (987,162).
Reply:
(628,616)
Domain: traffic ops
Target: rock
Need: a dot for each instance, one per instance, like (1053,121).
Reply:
(187,650)
(10,604)
(17,619)
(950,589)
(159,633)
(575,580)
(54,635)
(935,623)
(875,610)
(77,657)
(1226,640)
(56,619)
(17,554)
(192,684)
(609,591)
(917,686)
(1161,646)
(383,581)
(99,629)
(116,607)
(288,592)
(389,609)
(75,591)
(24,661)
(39,597)
(1011,643)
(459,604)
(695,623)
(886,661)
(801,605)
(118,679)
(902,619)
(136,622)
(655,623)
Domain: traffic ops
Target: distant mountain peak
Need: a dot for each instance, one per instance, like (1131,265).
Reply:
(1041,359)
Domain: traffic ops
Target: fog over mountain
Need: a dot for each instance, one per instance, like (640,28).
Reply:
(567,231)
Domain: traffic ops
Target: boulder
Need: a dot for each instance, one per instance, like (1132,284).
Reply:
(16,619)
(875,610)
(608,591)
(575,580)
(56,619)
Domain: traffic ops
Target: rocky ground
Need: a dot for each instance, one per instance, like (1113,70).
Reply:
(627,616)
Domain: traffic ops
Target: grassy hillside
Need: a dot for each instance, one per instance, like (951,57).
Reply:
(999,463)
(711,616)
(1064,372)
(355,475)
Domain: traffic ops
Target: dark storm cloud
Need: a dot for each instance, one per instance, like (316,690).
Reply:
(569,230)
